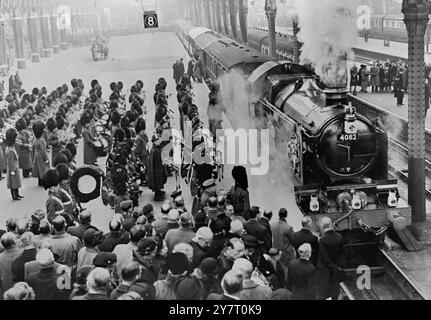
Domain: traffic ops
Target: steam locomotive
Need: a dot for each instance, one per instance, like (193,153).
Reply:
(338,157)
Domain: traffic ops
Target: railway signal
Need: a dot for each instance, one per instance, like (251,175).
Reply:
(151,19)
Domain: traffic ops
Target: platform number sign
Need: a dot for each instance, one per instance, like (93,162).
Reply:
(151,19)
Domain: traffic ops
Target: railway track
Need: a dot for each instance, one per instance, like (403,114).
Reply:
(386,282)
(398,143)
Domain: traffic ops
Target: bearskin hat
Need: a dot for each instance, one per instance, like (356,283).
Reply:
(113,86)
(120,85)
(20,124)
(93,98)
(133,89)
(113,104)
(125,122)
(60,158)
(63,171)
(11,108)
(50,179)
(60,122)
(35,91)
(93,83)
(131,115)
(65,88)
(38,128)
(26,97)
(239,174)
(11,135)
(74,82)
(136,107)
(85,119)
(99,94)
(71,147)
(51,124)
(114,96)
(140,125)
(120,135)
(115,117)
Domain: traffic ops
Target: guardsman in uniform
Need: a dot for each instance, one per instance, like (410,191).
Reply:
(23,148)
(54,205)
(90,157)
(52,138)
(40,157)
(13,178)
(70,212)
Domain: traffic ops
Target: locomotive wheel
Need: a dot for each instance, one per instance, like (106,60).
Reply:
(86,183)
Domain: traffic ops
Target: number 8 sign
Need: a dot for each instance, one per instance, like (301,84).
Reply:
(151,20)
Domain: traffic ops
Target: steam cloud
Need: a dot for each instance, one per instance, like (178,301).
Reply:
(328,31)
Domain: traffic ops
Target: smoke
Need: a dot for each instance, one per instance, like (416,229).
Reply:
(328,31)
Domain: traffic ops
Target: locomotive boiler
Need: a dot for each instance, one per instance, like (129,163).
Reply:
(338,158)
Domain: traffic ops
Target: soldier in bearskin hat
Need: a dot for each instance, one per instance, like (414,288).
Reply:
(54,205)
(90,156)
(65,195)
(141,147)
(13,177)
(156,173)
(52,138)
(238,195)
(23,148)
(40,156)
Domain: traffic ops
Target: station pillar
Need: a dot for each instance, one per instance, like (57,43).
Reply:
(207,13)
(19,39)
(416,19)
(218,15)
(55,34)
(233,9)
(243,12)
(225,16)
(3,54)
(32,21)
(271,13)
(46,41)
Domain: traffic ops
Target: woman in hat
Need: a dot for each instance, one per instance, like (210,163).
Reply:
(90,157)
(40,157)
(238,195)
(13,177)
(23,148)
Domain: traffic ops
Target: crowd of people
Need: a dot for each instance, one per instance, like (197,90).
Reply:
(219,247)
(387,76)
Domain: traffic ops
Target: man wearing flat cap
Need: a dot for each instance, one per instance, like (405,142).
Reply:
(44,282)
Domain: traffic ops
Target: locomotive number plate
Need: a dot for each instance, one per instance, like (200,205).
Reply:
(349,137)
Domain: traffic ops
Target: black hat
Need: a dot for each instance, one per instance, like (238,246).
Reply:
(50,178)
(38,128)
(85,119)
(20,124)
(51,124)
(209,266)
(71,147)
(11,137)
(147,209)
(189,289)
(177,263)
(250,241)
(146,246)
(60,158)
(63,171)
(104,259)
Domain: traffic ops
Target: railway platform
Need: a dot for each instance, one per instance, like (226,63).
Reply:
(387,102)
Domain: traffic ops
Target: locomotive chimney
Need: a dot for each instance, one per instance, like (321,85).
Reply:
(335,96)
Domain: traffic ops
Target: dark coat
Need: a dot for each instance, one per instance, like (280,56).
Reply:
(2,160)
(331,249)
(256,229)
(282,234)
(265,223)
(301,280)
(275,276)
(156,173)
(18,265)
(40,158)
(23,150)
(79,230)
(240,201)
(54,143)
(44,284)
(305,236)
(90,156)
(13,177)
(199,254)
(112,239)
